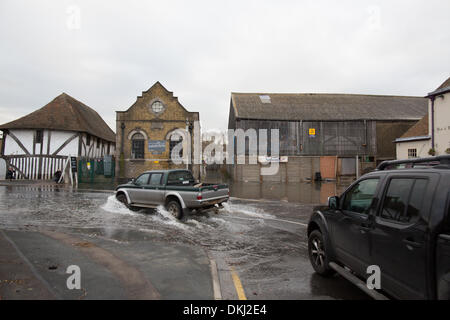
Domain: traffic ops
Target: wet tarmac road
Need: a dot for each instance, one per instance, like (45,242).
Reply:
(260,243)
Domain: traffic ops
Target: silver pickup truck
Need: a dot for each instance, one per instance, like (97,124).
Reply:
(177,190)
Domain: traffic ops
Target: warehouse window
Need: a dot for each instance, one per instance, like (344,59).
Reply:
(412,153)
(137,146)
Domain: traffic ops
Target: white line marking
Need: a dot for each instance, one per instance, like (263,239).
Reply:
(274,219)
(32,268)
(216,282)
(288,221)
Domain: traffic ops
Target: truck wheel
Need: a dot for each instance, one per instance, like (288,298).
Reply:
(318,254)
(174,209)
(123,198)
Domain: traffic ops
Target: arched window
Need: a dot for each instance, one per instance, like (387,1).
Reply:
(137,146)
(175,139)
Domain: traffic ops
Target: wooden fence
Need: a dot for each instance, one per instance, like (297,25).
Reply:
(35,167)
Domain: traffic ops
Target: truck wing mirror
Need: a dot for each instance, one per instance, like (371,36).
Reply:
(333,202)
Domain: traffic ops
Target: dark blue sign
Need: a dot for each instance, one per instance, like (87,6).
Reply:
(157,145)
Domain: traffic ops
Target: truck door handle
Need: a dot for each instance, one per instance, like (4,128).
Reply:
(412,243)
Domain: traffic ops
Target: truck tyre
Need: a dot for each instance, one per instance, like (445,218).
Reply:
(123,198)
(319,254)
(174,208)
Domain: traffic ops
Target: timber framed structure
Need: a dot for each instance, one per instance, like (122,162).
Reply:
(38,144)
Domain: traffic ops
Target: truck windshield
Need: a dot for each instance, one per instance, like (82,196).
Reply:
(180,178)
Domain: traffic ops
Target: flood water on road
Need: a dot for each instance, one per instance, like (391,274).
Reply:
(309,193)
(304,192)
(264,240)
(235,227)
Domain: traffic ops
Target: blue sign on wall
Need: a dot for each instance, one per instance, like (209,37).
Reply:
(157,146)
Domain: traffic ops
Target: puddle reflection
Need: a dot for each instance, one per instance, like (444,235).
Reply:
(308,193)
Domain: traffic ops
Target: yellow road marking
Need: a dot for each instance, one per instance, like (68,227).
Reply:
(238,285)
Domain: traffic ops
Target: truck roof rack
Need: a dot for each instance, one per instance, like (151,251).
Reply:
(443,160)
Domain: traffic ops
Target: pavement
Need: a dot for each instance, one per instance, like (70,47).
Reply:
(33,265)
(252,249)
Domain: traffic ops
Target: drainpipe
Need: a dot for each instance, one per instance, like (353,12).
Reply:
(122,126)
(366,150)
(432,122)
(188,142)
(365,133)
(121,166)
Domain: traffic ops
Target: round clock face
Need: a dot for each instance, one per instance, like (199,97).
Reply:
(157,107)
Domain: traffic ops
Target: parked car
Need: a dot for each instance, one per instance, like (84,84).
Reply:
(177,190)
(397,218)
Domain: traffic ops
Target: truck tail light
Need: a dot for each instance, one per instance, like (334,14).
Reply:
(199,196)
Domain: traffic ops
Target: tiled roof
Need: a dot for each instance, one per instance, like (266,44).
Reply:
(65,113)
(420,129)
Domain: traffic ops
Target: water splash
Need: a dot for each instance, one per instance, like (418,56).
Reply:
(247,210)
(191,224)
(114,206)
(169,219)
(231,226)
(197,224)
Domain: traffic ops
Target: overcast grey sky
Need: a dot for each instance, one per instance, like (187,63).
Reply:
(105,53)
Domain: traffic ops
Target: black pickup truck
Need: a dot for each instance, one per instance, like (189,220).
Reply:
(397,218)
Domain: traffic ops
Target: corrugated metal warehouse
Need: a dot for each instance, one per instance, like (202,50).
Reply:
(324,132)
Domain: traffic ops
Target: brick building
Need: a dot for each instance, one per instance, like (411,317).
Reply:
(147,132)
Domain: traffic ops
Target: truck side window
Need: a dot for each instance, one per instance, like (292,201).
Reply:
(155,179)
(403,200)
(180,178)
(360,197)
(142,179)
